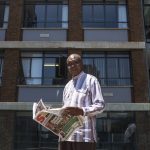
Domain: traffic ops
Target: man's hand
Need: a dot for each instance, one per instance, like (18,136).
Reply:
(74,111)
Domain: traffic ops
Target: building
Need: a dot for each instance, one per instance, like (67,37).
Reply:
(112,36)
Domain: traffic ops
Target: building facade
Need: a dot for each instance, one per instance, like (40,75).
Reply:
(36,36)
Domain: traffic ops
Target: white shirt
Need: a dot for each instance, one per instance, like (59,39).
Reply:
(84,91)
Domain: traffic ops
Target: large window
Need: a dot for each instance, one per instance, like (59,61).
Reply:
(44,68)
(105,14)
(4,14)
(29,135)
(111,68)
(147,19)
(45,14)
(114,131)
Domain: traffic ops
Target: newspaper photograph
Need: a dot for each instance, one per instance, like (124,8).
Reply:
(56,120)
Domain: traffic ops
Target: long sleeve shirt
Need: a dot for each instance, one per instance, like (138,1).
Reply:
(84,91)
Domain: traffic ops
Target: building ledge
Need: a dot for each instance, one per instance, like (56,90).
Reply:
(27,106)
(71,44)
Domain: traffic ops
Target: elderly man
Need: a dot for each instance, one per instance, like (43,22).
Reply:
(82,96)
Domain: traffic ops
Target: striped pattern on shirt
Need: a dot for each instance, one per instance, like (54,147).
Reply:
(84,91)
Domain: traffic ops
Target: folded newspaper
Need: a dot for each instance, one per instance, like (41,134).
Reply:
(56,120)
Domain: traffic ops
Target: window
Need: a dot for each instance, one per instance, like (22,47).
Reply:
(45,14)
(111,129)
(4,14)
(147,19)
(44,68)
(105,14)
(1,65)
(112,69)
(29,135)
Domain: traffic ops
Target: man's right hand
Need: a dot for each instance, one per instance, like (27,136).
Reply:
(74,111)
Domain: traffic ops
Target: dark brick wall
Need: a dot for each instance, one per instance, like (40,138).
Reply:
(11,65)
(10,75)
(135,19)
(75,32)
(136,33)
(15,20)
(142,131)
(6,130)
(140,79)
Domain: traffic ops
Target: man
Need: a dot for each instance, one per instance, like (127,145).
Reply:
(82,96)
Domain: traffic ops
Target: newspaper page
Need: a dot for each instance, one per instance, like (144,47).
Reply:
(55,120)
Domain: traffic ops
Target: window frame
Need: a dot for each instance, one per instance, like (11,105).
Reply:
(106,80)
(42,78)
(105,23)
(60,22)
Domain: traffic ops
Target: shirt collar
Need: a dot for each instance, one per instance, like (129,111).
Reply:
(76,77)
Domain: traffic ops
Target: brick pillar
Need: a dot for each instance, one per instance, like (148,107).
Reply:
(10,75)
(135,19)
(142,131)
(15,20)
(11,64)
(6,130)
(75,31)
(140,79)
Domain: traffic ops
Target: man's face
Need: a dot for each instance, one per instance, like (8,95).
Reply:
(74,65)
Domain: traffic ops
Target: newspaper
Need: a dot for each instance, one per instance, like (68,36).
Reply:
(56,120)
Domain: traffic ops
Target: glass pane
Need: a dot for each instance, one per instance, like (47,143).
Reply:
(100,68)
(98,16)
(26,67)
(88,65)
(40,15)
(124,67)
(54,15)
(87,13)
(98,13)
(2,9)
(36,67)
(6,16)
(147,21)
(65,16)
(122,16)
(111,16)
(112,68)
(50,67)
(30,15)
